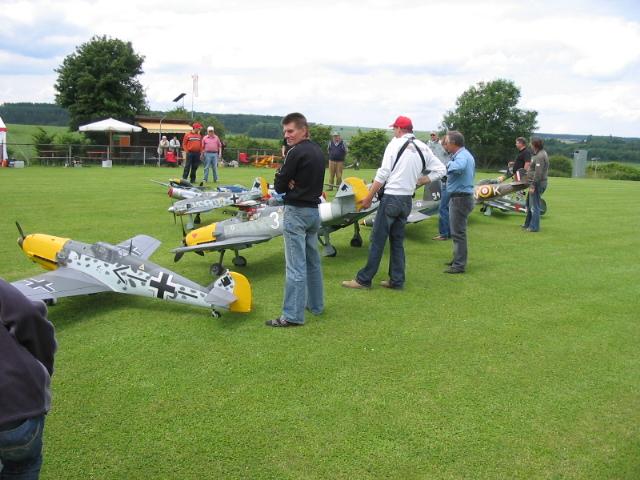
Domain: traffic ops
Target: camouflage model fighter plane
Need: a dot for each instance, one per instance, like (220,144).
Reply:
(260,224)
(77,268)
(506,197)
(207,201)
(345,209)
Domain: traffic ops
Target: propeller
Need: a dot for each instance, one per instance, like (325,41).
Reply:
(22,235)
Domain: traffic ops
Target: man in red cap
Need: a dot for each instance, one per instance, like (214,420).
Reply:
(405,161)
(192,144)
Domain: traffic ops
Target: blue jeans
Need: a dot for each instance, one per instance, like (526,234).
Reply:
(210,160)
(191,165)
(391,218)
(443,213)
(21,450)
(459,210)
(532,221)
(303,283)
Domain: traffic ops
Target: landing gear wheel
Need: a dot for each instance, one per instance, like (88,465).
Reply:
(215,314)
(197,219)
(239,261)
(216,269)
(50,302)
(543,206)
(356,242)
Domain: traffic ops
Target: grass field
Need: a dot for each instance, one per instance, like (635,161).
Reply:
(527,366)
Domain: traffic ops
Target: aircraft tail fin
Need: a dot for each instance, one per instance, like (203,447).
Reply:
(233,291)
(432,191)
(261,185)
(359,190)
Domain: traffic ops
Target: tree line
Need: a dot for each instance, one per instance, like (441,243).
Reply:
(24,113)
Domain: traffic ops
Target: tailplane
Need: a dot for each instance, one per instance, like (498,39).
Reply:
(233,291)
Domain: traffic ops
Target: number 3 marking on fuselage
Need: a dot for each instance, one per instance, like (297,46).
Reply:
(276,222)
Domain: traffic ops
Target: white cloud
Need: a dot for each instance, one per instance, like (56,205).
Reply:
(350,63)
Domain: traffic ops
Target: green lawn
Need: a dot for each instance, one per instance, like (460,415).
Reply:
(527,366)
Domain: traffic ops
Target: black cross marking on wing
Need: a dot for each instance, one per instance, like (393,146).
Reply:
(162,284)
(43,284)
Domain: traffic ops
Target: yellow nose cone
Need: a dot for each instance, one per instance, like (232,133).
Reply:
(43,249)
(201,235)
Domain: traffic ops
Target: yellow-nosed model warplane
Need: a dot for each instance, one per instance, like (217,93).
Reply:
(264,223)
(77,268)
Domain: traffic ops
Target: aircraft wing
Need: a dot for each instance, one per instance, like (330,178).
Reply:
(142,246)
(63,282)
(236,243)
(415,217)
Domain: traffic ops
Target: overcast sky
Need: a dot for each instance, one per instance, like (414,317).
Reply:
(577,63)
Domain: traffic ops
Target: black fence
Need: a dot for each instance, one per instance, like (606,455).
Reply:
(77,155)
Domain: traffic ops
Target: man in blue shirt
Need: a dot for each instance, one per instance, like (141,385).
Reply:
(460,173)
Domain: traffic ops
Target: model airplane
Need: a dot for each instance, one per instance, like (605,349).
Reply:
(78,268)
(506,197)
(207,201)
(260,224)
(345,209)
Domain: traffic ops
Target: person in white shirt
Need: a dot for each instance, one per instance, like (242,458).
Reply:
(405,161)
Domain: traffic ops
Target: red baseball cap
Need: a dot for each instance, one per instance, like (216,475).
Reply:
(403,123)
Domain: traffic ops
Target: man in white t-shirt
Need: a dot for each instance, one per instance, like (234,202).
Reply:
(405,161)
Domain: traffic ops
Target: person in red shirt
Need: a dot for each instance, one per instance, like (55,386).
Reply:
(192,144)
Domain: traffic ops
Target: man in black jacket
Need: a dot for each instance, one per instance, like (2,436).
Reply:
(27,347)
(300,178)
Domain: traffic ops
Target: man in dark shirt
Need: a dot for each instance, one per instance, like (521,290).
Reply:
(27,347)
(337,151)
(300,178)
(521,162)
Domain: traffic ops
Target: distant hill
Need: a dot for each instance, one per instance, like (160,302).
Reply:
(605,148)
(34,114)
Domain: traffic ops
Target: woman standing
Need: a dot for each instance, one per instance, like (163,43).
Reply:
(537,176)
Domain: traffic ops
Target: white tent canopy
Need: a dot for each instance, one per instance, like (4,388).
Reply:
(109,125)
(3,141)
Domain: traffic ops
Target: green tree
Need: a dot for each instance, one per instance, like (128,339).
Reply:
(488,117)
(217,125)
(42,140)
(368,147)
(72,138)
(559,166)
(265,130)
(321,134)
(99,80)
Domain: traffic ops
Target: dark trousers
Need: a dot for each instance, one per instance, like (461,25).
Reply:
(459,210)
(533,207)
(21,450)
(193,162)
(391,218)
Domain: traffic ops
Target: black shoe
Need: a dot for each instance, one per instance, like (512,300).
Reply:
(281,322)
(453,270)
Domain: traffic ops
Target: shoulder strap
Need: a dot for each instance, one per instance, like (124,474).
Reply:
(403,148)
